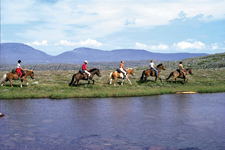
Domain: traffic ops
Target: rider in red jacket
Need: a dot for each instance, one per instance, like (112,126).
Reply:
(18,69)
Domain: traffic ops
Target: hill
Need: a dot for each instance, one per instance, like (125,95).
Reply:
(78,55)
(11,52)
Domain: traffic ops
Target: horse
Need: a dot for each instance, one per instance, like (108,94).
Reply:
(176,75)
(149,72)
(114,75)
(10,76)
(79,76)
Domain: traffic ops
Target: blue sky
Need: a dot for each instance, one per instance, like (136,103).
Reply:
(165,26)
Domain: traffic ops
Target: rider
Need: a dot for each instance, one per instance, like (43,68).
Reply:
(19,68)
(84,68)
(152,66)
(122,69)
(181,68)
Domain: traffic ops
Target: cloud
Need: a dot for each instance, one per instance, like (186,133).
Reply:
(88,42)
(187,45)
(36,43)
(214,46)
(151,47)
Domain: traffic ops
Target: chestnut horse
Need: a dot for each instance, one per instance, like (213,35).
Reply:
(176,75)
(10,76)
(149,72)
(79,76)
(114,75)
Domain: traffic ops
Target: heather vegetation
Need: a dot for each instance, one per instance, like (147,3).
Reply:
(54,84)
(52,81)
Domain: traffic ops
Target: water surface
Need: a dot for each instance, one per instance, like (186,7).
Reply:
(181,121)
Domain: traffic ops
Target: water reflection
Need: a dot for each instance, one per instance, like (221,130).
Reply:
(163,122)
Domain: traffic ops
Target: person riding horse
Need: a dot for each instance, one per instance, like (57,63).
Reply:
(122,69)
(85,70)
(152,66)
(19,69)
(181,69)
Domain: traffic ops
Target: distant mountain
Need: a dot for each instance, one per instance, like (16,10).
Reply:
(12,52)
(78,55)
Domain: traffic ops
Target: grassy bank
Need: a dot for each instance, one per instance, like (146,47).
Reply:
(54,84)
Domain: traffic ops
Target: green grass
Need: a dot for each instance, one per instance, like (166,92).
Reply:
(54,84)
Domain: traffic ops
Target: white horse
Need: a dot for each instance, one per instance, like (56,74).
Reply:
(114,75)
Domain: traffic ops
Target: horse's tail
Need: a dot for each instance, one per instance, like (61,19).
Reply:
(3,79)
(72,80)
(171,74)
(142,76)
(110,77)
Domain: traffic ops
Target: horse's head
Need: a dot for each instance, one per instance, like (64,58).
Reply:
(96,71)
(31,73)
(189,70)
(161,66)
(131,71)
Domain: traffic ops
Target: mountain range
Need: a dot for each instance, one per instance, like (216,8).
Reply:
(12,52)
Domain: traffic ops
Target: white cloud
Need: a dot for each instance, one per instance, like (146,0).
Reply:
(88,42)
(187,45)
(214,46)
(151,47)
(36,43)
(140,46)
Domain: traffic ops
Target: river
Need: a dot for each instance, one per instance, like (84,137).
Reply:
(177,121)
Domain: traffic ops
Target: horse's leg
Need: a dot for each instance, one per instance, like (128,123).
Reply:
(160,79)
(110,81)
(122,82)
(115,81)
(21,83)
(93,81)
(3,83)
(10,80)
(129,81)
(173,79)
(25,80)
(155,78)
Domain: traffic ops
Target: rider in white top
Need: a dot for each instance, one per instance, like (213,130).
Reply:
(152,66)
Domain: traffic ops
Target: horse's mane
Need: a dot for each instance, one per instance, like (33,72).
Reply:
(188,69)
(91,70)
(130,69)
(159,65)
(28,70)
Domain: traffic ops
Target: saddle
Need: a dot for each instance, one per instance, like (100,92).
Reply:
(151,72)
(180,72)
(14,72)
(118,70)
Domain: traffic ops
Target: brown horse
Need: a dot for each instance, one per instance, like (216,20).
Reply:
(114,75)
(176,75)
(10,76)
(79,76)
(149,72)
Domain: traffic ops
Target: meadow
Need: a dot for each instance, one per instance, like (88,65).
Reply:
(54,85)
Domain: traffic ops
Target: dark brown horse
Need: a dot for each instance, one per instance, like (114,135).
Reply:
(79,76)
(149,72)
(10,76)
(176,75)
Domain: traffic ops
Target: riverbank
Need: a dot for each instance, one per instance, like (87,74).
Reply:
(54,84)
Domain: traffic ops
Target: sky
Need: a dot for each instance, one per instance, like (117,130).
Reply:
(164,26)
